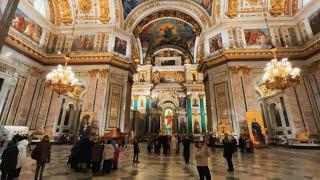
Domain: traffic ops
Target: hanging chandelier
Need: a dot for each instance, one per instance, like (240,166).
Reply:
(280,75)
(62,79)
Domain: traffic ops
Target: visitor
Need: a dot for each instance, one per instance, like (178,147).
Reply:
(186,149)
(22,155)
(126,139)
(202,153)
(116,156)
(168,145)
(41,154)
(74,157)
(212,142)
(95,158)
(249,146)
(149,146)
(108,156)
(173,144)
(84,158)
(178,145)
(9,161)
(157,145)
(229,147)
(242,143)
(136,150)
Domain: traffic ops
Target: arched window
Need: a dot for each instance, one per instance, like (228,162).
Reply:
(40,6)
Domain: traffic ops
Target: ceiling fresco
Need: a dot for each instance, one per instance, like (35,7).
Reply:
(165,32)
(129,5)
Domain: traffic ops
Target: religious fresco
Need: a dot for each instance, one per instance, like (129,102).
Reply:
(257,37)
(129,5)
(293,37)
(120,46)
(215,43)
(314,21)
(167,32)
(196,124)
(27,26)
(83,43)
(256,127)
(52,43)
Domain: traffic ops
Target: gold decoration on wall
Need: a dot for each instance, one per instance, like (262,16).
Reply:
(66,15)
(77,91)
(232,8)
(254,2)
(36,72)
(200,52)
(277,7)
(179,77)
(286,10)
(93,72)
(103,73)
(104,11)
(52,12)
(237,69)
(85,6)
(295,6)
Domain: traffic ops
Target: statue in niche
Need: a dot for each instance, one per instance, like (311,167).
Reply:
(156,77)
(179,77)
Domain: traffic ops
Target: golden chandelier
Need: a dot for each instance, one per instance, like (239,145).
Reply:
(63,79)
(280,75)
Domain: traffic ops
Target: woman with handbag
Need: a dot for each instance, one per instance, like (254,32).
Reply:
(41,154)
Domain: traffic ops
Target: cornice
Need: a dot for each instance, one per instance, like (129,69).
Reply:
(234,55)
(84,59)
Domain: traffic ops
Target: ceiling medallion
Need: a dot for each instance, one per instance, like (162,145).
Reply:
(85,5)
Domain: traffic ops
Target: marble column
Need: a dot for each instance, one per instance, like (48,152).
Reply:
(135,102)
(202,113)
(148,121)
(6,19)
(189,113)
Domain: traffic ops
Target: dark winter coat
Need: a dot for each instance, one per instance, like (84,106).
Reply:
(9,158)
(43,150)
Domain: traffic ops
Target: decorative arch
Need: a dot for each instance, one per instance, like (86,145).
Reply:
(168,96)
(148,8)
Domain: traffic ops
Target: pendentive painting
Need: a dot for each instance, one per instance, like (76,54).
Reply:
(129,5)
(26,26)
(215,43)
(206,4)
(167,32)
(120,46)
(314,21)
(257,37)
(83,43)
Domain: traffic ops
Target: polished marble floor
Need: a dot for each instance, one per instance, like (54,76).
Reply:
(273,163)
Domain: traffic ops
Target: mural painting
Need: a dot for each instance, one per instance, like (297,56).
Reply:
(293,37)
(215,43)
(26,26)
(314,21)
(257,37)
(85,123)
(83,43)
(206,4)
(120,46)
(52,43)
(167,32)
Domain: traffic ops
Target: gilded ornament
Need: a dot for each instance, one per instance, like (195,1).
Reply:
(85,6)
(103,73)
(93,72)
(156,77)
(104,11)
(277,8)
(295,6)
(254,2)
(179,77)
(232,8)
(66,15)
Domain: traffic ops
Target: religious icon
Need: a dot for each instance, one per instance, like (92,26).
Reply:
(256,127)
(195,103)
(85,124)
(182,126)
(168,113)
(196,127)
(120,46)
(257,133)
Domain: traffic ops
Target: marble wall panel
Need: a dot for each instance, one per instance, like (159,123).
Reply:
(99,103)
(252,97)
(90,93)
(37,106)
(41,117)
(53,114)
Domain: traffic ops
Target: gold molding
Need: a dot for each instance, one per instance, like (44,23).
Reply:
(232,8)
(237,69)
(103,73)
(104,11)
(93,72)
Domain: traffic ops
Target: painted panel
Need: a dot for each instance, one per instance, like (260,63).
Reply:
(114,106)
(257,37)
(314,21)
(120,46)
(83,43)
(215,43)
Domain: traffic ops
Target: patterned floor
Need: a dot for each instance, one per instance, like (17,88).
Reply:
(275,163)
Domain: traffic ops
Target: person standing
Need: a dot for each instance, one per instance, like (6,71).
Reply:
(116,156)
(212,143)
(22,147)
(41,154)
(242,143)
(136,151)
(186,150)
(9,161)
(108,156)
(173,144)
(228,149)
(202,154)
(95,158)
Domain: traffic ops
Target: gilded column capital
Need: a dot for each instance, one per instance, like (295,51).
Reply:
(201,95)
(135,97)
(36,72)
(189,96)
(93,72)
(103,73)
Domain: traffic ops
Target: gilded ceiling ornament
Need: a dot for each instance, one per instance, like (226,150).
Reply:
(66,15)
(232,8)
(254,2)
(295,6)
(277,7)
(93,72)
(85,6)
(103,73)
(104,11)
(286,10)
(52,12)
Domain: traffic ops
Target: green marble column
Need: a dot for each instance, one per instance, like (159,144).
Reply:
(147,120)
(203,115)
(135,103)
(189,113)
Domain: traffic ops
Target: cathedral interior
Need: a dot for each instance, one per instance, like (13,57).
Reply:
(168,67)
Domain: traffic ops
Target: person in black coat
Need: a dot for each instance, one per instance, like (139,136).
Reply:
(212,143)
(242,143)
(84,153)
(186,150)
(9,162)
(136,151)
(229,147)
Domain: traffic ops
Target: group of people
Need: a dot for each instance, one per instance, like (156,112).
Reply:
(15,154)
(101,152)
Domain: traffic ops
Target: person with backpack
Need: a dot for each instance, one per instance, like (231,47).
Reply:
(41,154)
